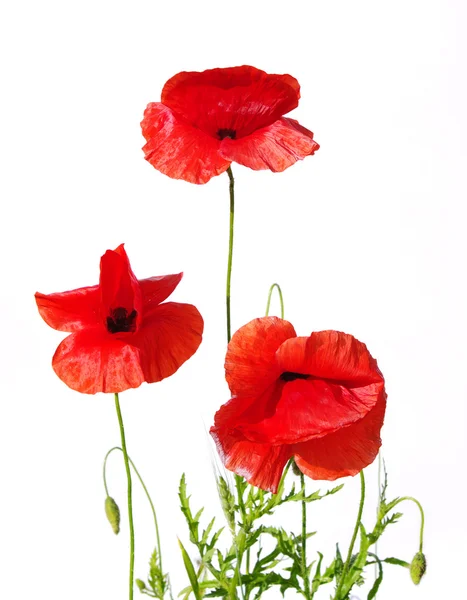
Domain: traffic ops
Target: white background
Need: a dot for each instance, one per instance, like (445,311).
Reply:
(367,237)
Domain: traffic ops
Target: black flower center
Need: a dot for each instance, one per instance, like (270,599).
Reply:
(119,320)
(290,376)
(226,133)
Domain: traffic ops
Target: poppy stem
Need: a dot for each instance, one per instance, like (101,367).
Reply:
(306,579)
(354,537)
(130,502)
(158,540)
(378,506)
(422,515)
(229,261)
(271,289)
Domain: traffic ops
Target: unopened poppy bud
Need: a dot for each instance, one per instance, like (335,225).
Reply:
(141,585)
(113,514)
(418,567)
(295,469)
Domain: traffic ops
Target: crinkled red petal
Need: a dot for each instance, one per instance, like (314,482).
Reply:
(250,365)
(170,334)
(331,355)
(246,413)
(94,361)
(301,410)
(276,147)
(70,311)
(261,464)
(345,452)
(155,290)
(118,285)
(238,99)
(179,150)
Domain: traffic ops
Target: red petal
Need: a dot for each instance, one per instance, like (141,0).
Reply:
(179,150)
(301,410)
(225,78)
(250,365)
(95,361)
(170,334)
(70,311)
(331,355)
(261,464)
(275,147)
(118,284)
(242,99)
(155,290)
(345,452)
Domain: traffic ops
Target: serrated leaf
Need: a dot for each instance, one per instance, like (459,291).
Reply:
(207,556)
(207,531)
(214,538)
(156,579)
(198,514)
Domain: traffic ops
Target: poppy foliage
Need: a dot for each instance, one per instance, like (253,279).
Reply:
(205,121)
(319,399)
(121,334)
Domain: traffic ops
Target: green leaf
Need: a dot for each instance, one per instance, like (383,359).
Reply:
(214,538)
(374,590)
(397,561)
(190,572)
(156,579)
(216,593)
(207,531)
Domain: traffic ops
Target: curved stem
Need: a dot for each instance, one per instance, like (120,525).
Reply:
(271,289)
(147,495)
(354,536)
(422,514)
(305,577)
(229,261)
(380,464)
(130,501)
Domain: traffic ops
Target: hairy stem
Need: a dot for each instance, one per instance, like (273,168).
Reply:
(147,495)
(268,305)
(130,501)
(229,261)
(422,515)
(306,579)
(354,536)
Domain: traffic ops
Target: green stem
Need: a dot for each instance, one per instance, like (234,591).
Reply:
(241,534)
(147,495)
(130,502)
(380,464)
(305,577)
(354,536)
(422,514)
(238,479)
(271,289)
(229,261)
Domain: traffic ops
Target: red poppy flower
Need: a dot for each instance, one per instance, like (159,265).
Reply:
(205,121)
(319,399)
(121,334)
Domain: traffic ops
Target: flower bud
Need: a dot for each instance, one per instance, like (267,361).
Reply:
(113,514)
(141,585)
(296,471)
(418,567)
